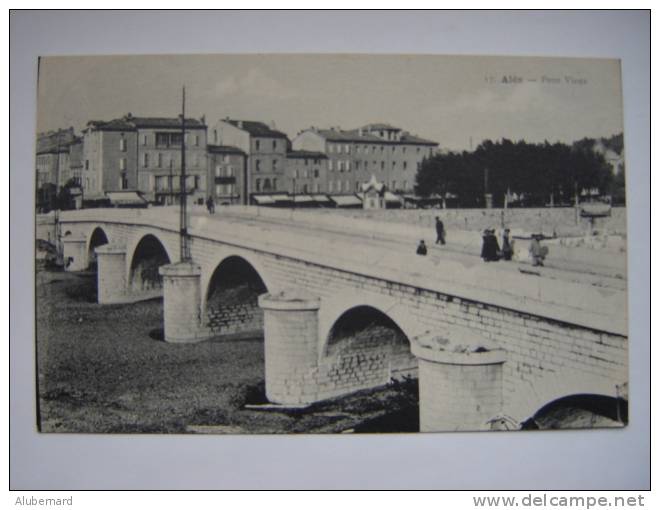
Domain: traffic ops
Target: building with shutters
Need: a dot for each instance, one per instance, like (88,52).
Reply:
(144,154)
(388,152)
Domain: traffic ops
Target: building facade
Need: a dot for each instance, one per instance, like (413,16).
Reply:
(307,172)
(266,150)
(353,156)
(227,174)
(144,154)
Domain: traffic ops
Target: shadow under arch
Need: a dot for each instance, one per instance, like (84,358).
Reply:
(148,256)
(231,298)
(371,342)
(579,411)
(98,238)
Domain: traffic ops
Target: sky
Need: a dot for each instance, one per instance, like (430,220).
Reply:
(457,101)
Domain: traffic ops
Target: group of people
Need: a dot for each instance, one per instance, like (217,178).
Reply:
(490,248)
(491,251)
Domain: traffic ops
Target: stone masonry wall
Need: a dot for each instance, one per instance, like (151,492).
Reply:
(235,318)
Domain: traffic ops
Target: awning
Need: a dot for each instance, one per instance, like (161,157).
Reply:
(263,199)
(281,197)
(322,199)
(125,198)
(303,199)
(346,200)
(391,197)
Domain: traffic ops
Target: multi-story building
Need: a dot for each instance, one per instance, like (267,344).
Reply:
(53,156)
(144,154)
(266,150)
(227,176)
(306,172)
(387,152)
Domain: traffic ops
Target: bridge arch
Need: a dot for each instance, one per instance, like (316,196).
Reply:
(97,238)
(230,299)
(583,410)
(147,256)
(528,400)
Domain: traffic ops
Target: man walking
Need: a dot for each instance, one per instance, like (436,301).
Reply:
(440,231)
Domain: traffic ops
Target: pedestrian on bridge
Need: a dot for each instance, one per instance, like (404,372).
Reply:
(537,252)
(440,231)
(421,248)
(490,248)
(210,205)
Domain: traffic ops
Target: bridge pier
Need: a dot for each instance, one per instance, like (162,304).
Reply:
(291,346)
(111,274)
(182,302)
(75,253)
(460,381)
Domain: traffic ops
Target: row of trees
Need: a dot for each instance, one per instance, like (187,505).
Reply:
(531,174)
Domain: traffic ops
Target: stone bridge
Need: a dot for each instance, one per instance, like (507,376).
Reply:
(343,309)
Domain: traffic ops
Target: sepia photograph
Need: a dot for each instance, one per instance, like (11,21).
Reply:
(330,243)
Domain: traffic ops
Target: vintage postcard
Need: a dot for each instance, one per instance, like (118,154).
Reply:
(239,244)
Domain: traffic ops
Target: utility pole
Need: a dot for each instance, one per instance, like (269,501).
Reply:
(183,217)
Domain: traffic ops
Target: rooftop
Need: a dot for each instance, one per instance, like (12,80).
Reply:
(361,136)
(131,123)
(255,128)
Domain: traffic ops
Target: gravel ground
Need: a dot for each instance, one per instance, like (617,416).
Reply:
(105,369)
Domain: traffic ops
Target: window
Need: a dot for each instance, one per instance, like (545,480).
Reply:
(348,166)
(403,149)
(306,162)
(274,165)
(215,136)
(382,149)
(225,158)
(393,165)
(124,181)
(266,184)
(393,149)
(257,164)
(366,165)
(357,186)
(417,150)
(296,174)
(373,149)
(197,160)
(405,184)
(218,190)
(393,185)
(382,165)
(122,163)
(348,149)
(405,165)
(144,139)
(230,171)
(357,149)
(257,144)
(340,166)
(162,139)
(274,184)
(257,184)
(317,188)
(347,185)
(87,164)
(197,140)
(331,186)
(160,160)
(330,165)
(218,171)
(274,145)
(145,160)
(316,173)
(122,143)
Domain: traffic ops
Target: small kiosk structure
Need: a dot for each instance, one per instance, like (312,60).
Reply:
(373,194)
